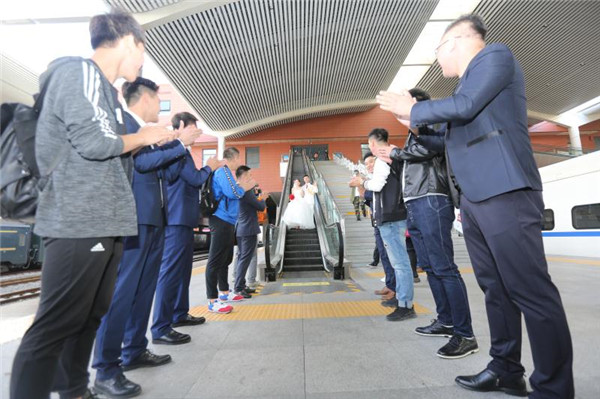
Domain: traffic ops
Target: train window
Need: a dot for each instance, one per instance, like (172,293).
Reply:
(586,216)
(548,220)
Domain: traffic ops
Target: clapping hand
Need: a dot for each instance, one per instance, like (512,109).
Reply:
(384,152)
(156,135)
(246,181)
(398,104)
(356,181)
(188,134)
(213,163)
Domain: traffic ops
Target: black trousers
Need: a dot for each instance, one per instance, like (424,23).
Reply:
(220,255)
(78,278)
(504,240)
(375,256)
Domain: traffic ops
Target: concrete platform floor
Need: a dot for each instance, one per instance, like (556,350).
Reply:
(343,357)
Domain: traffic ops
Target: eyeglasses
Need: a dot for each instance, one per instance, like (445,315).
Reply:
(447,40)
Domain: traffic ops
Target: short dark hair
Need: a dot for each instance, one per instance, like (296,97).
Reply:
(306,176)
(419,94)
(185,117)
(475,22)
(241,170)
(367,155)
(231,153)
(107,29)
(132,91)
(380,135)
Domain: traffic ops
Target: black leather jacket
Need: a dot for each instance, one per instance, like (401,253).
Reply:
(424,169)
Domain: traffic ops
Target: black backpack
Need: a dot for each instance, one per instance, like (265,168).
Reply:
(20,179)
(208,202)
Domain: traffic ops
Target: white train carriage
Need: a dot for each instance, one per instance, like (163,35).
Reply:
(572,206)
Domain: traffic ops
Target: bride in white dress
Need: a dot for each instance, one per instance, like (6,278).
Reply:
(298,214)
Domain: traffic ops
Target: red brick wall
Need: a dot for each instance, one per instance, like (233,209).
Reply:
(342,133)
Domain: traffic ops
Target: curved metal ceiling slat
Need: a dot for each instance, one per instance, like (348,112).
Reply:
(556,43)
(256,60)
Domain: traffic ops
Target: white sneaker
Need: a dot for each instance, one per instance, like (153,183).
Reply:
(219,307)
(232,297)
(382,280)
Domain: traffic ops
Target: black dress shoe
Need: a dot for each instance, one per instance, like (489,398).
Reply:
(435,329)
(118,387)
(146,359)
(244,294)
(390,303)
(458,347)
(172,338)
(189,320)
(487,381)
(89,394)
(401,314)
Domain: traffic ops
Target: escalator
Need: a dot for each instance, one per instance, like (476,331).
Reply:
(298,253)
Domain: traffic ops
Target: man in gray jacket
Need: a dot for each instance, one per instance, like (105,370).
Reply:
(84,210)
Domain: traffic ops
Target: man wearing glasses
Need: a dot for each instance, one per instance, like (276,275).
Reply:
(491,163)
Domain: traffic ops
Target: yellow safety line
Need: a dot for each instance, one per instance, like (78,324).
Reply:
(291,311)
(8,249)
(307,284)
(8,231)
(571,260)
(198,270)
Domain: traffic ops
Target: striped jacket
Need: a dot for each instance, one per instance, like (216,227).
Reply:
(89,193)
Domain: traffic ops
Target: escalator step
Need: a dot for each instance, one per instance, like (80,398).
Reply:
(302,268)
(302,254)
(302,241)
(302,261)
(303,247)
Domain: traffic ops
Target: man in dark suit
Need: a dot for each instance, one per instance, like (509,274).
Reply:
(122,333)
(246,231)
(171,304)
(491,162)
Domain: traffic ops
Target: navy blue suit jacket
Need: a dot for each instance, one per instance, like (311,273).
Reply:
(487,140)
(247,223)
(147,174)
(183,191)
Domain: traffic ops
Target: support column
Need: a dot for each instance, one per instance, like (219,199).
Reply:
(221,146)
(575,140)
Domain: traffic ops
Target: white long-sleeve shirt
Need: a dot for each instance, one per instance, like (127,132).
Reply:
(381,171)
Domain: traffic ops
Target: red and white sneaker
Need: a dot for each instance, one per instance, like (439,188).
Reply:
(219,307)
(231,297)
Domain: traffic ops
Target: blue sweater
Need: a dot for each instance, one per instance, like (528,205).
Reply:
(229,193)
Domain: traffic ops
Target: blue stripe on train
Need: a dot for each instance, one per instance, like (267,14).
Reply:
(570,233)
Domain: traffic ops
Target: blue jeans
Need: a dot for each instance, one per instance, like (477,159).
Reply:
(430,224)
(392,234)
(390,277)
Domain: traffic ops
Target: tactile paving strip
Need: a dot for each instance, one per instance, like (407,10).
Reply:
(291,311)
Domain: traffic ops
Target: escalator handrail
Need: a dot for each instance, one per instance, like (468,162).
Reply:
(318,206)
(283,201)
(285,189)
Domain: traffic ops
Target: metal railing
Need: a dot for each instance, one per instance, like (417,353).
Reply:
(328,222)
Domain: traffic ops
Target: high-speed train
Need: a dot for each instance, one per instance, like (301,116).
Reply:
(571,225)
(572,206)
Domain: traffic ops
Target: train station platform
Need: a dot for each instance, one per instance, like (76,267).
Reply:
(319,338)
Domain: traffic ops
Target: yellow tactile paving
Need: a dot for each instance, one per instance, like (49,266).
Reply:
(571,260)
(291,311)
(198,270)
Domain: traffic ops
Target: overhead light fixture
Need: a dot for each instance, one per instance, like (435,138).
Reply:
(422,55)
